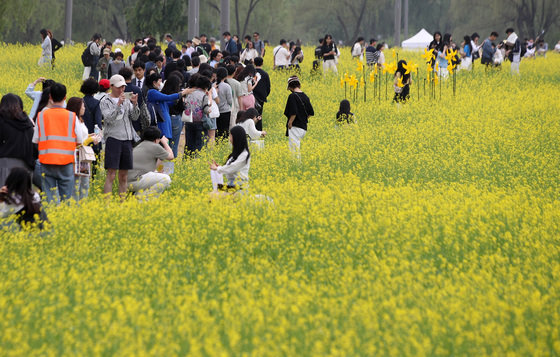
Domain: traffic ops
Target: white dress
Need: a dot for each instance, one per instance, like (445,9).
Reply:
(46,54)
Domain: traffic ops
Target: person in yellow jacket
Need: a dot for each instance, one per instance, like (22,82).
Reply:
(57,135)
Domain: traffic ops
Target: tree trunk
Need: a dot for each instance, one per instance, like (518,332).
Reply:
(397,23)
(237,15)
(406,34)
(68,23)
(343,26)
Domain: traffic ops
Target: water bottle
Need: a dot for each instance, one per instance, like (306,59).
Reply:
(97,133)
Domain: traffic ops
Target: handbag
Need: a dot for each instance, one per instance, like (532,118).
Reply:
(145,117)
(83,157)
(206,122)
(186,118)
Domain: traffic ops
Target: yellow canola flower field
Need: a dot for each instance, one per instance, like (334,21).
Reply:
(430,228)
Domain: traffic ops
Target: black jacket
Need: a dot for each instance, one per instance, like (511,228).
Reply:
(262,89)
(15,139)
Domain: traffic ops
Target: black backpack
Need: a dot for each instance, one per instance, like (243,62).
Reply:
(87,57)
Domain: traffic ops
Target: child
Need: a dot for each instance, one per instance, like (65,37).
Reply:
(344,115)
(17,198)
(237,164)
(401,83)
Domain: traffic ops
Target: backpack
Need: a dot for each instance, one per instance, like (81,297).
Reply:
(523,49)
(87,57)
(318,52)
(517,48)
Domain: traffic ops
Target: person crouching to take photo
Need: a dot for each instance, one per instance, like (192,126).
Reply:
(236,168)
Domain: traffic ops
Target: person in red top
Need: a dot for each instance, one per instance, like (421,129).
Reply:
(57,134)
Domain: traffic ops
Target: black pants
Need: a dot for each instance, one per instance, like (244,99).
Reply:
(259,106)
(223,126)
(402,96)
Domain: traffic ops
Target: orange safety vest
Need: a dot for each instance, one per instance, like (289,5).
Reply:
(57,137)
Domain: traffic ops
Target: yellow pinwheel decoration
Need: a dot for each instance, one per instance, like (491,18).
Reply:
(359,66)
(451,54)
(353,82)
(410,67)
(436,78)
(389,67)
(451,67)
(346,78)
(413,67)
(428,55)
(372,76)
(394,53)
(400,83)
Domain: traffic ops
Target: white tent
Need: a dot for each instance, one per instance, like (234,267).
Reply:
(421,40)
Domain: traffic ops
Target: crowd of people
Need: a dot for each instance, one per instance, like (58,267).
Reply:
(131,117)
(135,108)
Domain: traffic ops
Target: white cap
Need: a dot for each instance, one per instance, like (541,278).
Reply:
(117,81)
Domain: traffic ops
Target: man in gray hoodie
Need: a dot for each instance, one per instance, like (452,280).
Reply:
(119,109)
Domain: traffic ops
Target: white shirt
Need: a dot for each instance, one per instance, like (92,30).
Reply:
(250,129)
(214,109)
(281,56)
(356,50)
(82,126)
(8,209)
(248,54)
(77,130)
(189,51)
(237,172)
(381,59)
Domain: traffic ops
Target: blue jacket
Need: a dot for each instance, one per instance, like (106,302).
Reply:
(231,46)
(161,104)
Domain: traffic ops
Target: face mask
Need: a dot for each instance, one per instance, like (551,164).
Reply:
(160,86)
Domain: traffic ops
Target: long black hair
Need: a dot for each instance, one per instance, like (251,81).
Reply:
(19,188)
(437,45)
(402,71)
(11,107)
(43,102)
(240,143)
(172,85)
(344,108)
(296,52)
(249,70)
(467,40)
(447,40)
(241,117)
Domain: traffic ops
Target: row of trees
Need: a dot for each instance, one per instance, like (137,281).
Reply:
(20,21)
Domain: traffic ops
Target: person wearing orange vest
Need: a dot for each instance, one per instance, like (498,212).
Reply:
(57,134)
